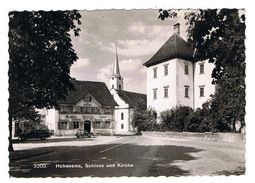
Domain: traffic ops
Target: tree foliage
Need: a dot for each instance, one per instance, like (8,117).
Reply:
(41,54)
(184,118)
(29,114)
(176,118)
(200,121)
(218,36)
(143,119)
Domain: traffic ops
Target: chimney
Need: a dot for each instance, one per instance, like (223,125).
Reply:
(177,28)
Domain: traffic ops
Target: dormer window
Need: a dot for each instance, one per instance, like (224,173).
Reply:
(87,98)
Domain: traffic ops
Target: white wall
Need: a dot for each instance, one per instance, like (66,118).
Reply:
(121,108)
(118,100)
(161,103)
(203,80)
(119,121)
(52,118)
(183,80)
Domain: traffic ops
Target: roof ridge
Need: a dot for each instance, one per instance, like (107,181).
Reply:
(132,92)
(88,81)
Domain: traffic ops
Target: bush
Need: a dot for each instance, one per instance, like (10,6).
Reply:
(143,119)
(185,119)
(177,118)
(193,122)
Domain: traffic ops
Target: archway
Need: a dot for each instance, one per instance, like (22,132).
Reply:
(87,126)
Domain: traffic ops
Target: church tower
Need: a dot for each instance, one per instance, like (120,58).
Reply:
(116,81)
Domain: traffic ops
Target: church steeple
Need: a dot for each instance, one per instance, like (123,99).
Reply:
(116,68)
(116,81)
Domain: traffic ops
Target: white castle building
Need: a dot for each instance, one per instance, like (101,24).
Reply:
(126,100)
(174,79)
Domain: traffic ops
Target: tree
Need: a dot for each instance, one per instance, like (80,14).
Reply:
(28,114)
(199,120)
(176,118)
(143,119)
(41,55)
(218,36)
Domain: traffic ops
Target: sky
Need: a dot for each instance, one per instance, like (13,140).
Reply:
(138,34)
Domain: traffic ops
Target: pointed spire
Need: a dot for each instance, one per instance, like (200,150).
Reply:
(116,69)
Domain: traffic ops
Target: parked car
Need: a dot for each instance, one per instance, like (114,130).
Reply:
(51,132)
(83,133)
(41,134)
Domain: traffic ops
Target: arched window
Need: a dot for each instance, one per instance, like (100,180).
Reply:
(119,86)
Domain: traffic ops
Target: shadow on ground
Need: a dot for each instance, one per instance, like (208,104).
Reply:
(146,161)
(48,140)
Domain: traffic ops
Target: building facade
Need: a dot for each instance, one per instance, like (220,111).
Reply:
(127,101)
(90,107)
(174,79)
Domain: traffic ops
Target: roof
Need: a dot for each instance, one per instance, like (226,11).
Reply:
(174,47)
(97,89)
(132,98)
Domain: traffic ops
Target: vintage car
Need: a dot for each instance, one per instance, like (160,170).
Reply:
(83,133)
(41,134)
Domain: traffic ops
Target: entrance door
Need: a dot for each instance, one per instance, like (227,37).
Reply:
(87,126)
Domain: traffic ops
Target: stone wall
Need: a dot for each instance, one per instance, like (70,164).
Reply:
(226,137)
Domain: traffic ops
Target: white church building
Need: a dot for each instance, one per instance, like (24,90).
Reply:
(127,101)
(174,79)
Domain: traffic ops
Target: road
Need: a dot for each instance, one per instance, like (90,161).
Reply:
(134,156)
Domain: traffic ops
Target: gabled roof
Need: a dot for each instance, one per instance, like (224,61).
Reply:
(174,47)
(97,89)
(132,98)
